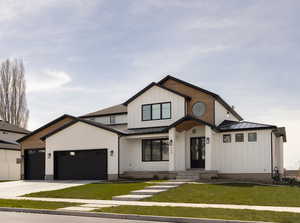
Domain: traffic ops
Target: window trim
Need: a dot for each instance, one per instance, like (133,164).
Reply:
(161,150)
(255,137)
(227,135)
(239,134)
(160,118)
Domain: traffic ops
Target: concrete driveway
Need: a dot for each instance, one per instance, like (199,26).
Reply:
(19,188)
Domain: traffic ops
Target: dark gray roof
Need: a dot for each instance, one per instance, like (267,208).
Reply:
(145,131)
(116,109)
(228,125)
(7,144)
(5,126)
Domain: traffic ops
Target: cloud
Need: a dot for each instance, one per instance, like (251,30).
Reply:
(47,80)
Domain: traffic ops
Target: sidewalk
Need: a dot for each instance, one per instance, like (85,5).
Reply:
(162,204)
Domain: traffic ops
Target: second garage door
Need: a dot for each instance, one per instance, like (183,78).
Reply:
(80,165)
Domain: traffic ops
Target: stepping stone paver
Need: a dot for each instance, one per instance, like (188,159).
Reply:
(147,191)
(76,208)
(130,197)
(98,205)
(161,187)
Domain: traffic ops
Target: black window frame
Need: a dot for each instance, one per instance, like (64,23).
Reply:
(224,135)
(255,136)
(161,115)
(161,150)
(236,134)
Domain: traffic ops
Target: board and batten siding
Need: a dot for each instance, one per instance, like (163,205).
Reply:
(221,114)
(9,169)
(81,136)
(242,157)
(131,157)
(155,95)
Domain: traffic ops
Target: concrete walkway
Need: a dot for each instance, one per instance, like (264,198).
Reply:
(164,204)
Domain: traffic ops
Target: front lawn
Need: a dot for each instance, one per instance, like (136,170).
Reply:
(215,213)
(34,204)
(247,194)
(98,191)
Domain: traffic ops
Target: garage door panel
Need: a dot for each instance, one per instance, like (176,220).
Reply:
(34,164)
(80,164)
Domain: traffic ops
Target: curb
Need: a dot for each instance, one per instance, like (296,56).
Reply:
(124,216)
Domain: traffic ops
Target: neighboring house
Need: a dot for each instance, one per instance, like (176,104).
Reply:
(10,154)
(170,129)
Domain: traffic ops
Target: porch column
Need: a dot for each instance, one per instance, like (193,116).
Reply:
(208,148)
(172,146)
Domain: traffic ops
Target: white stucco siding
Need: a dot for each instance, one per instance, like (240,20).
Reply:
(131,157)
(242,157)
(9,169)
(155,95)
(11,136)
(82,136)
(221,114)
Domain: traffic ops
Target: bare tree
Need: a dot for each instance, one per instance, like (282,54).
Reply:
(13,105)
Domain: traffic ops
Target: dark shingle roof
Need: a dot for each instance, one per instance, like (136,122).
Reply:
(11,145)
(228,125)
(5,126)
(145,131)
(117,109)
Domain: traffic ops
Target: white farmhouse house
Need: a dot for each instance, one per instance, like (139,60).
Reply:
(169,129)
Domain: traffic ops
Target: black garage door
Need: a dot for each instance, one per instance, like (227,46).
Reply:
(80,165)
(34,164)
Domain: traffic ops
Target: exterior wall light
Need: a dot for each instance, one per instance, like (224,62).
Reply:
(170,142)
(111,152)
(207,140)
(49,155)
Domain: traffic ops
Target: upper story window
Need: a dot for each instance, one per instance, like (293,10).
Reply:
(112,119)
(252,137)
(156,111)
(239,137)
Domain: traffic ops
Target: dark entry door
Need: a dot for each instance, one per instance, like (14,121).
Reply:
(198,152)
(80,165)
(34,164)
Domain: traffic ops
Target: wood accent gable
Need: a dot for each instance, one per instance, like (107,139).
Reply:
(196,95)
(34,141)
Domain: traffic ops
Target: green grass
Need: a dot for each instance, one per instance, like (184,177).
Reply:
(34,204)
(215,213)
(99,191)
(247,194)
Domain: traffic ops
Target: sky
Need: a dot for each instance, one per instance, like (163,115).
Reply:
(81,56)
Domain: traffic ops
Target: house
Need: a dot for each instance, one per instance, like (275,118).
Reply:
(168,129)
(10,154)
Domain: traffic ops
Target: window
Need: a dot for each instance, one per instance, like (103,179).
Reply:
(239,137)
(252,137)
(155,150)
(227,138)
(112,119)
(157,111)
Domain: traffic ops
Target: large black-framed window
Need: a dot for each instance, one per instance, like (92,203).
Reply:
(157,111)
(155,150)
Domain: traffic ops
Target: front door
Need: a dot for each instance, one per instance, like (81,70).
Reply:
(198,152)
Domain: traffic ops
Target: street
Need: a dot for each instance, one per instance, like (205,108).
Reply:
(13,217)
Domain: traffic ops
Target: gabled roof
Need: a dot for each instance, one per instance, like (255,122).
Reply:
(45,126)
(228,126)
(113,110)
(217,97)
(89,122)
(150,86)
(190,118)
(5,126)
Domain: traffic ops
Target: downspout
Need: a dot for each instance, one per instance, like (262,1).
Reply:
(272,154)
